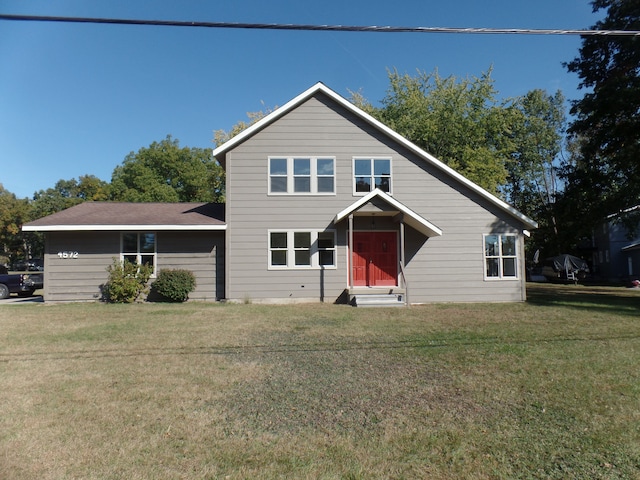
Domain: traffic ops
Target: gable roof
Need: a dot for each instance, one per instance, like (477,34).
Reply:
(111,216)
(411,218)
(319,87)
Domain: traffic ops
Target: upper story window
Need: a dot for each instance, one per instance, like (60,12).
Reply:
(371,173)
(302,176)
(139,248)
(501,256)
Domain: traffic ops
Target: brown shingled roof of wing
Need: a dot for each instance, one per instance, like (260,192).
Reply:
(117,213)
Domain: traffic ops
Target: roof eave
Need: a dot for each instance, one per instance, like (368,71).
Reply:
(113,228)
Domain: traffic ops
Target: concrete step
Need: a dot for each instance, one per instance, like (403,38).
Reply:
(378,300)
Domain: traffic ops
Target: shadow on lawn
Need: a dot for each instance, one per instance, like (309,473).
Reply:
(616,300)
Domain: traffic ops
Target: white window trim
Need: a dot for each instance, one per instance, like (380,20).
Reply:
(291,178)
(314,250)
(138,253)
(370,157)
(501,277)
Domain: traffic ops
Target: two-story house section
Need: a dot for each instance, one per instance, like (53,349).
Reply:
(325,203)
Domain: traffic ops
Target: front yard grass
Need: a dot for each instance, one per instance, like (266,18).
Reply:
(544,389)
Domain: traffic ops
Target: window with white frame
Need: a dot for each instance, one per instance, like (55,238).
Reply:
(139,248)
(501,256)
(302,176)
(302,249)
(371,173)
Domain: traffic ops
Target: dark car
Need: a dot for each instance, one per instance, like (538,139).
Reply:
(31,265)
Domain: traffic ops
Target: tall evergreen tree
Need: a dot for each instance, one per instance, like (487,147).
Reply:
(605,177)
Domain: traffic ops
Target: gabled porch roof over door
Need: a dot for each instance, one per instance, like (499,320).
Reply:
(406,215)
(380,203)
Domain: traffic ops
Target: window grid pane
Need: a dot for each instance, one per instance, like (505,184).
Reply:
(372,173)
(129,242)
(278,247)
(303,258)
(501,258)
(279,258)
(302,249)
(301,176)
(139,249)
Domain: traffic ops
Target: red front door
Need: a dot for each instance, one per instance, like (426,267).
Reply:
(375,259)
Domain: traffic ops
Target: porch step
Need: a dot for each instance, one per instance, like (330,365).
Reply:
(378,300)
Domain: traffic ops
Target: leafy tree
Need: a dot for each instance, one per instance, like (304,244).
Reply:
(13,213)
(165,172)
(222,136)
(67,193)
(459,121)
(605,176)
(533,185)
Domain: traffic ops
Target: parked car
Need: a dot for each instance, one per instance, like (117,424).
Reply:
(31,265)
(20,283)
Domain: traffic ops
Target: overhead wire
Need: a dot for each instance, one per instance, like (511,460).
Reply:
(332,28)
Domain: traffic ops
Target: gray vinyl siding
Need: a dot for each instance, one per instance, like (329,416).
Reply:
(81,278)
(78,279)
(199,252)
(439,269)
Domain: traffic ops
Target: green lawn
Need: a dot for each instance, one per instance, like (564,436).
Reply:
(545,389)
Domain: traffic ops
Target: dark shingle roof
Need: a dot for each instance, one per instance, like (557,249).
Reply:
(120,216)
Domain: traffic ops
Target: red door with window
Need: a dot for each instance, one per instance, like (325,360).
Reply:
(375,259)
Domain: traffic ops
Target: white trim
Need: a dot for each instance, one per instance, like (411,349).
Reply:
(290,176)
(372,176)
(320,87)
(107,228)
(314,251)
(139,254)
(501,277)
(414,220)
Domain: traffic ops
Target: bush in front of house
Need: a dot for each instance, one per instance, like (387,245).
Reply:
(126,281)
(174,285)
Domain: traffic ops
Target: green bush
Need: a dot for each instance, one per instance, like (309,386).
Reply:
(126,281)
(174,285)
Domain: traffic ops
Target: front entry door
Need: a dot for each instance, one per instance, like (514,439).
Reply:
(375,259)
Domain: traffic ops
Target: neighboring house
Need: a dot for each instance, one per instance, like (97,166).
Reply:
(616,254)
(323,203)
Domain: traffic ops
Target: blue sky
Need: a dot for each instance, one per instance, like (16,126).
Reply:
(75,99)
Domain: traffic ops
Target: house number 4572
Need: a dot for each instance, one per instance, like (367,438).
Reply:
(68,254)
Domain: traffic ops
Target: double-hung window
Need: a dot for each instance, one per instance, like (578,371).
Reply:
(302,176)
(501,256)
(371,173)
(302,249)
(139,248)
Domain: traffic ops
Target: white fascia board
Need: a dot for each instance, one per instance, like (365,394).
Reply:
(112,228)
(415,220)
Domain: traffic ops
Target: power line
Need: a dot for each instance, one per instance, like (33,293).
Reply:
(331,28)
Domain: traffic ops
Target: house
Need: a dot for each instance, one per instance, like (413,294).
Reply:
(616,253)
(323,203)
